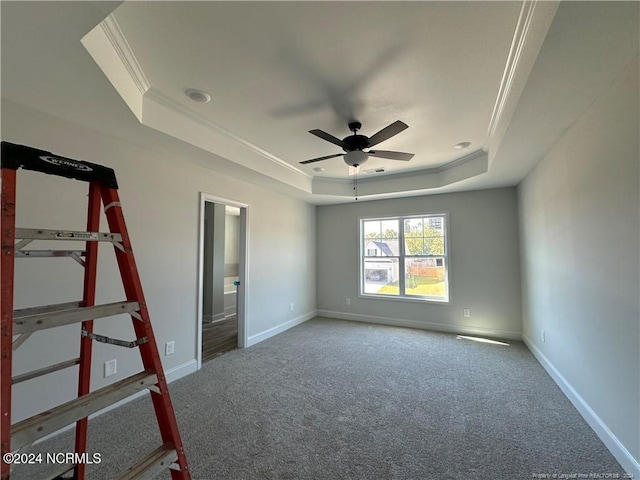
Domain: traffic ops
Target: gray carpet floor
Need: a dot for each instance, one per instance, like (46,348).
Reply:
(332,399)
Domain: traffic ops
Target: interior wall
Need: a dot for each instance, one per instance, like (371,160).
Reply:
(484,264)
(160,196)
(579,230)
(231,239)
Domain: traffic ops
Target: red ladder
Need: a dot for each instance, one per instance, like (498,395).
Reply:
(22,323)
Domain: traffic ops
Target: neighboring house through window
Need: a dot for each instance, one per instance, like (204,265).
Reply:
(405,257)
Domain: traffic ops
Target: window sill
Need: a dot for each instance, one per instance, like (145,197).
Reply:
(428,300)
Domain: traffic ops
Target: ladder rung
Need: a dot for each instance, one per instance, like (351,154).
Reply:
(44,371)
(49,253)
(152,465)
(58,315)
(42,234)
(24,312)
(28,431)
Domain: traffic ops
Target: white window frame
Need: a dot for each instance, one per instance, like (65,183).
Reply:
(403,297)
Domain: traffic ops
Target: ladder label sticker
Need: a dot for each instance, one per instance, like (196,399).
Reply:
(67,163)
(86,235)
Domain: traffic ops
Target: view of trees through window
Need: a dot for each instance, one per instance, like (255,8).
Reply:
(405,257)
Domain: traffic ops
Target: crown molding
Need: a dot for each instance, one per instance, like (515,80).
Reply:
(531,29)
(121,46)
(112,53)
(414,182)
(154,95)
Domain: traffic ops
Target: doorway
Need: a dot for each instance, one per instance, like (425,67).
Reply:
(222,271)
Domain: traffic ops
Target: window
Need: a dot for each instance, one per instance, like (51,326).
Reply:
(405,257)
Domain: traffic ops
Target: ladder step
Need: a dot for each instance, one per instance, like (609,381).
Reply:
(49,253)
(64,314)
(28,431)
(45,309)
(44,371)
(152,465)
(42,234)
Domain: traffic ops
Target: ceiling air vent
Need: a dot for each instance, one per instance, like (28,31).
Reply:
(373,171)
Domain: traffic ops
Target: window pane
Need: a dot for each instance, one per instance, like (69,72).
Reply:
(413,227)
(381,247)
(426,277)
(381,238)
(381,276)
(414,246)
(372,229)
(389,228)
(434,236)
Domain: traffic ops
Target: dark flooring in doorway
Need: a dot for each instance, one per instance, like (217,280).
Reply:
(219,337)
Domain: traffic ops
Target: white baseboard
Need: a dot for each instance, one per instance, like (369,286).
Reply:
(260,337)
(396,322)
(172,374)
(618,450)
(213,318)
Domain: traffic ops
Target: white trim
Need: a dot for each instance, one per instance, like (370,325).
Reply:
(119,42)
(534,20)
(242,291)
(160,98)
(172,374)
(615,446)
(422,325)
(517,42)
(458,161)
(214,318)
(273,331)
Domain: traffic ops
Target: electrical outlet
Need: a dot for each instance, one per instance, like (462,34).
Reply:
(348,301)
(466,312)
(110,368)
(543,336)
(291,307)
(169,348)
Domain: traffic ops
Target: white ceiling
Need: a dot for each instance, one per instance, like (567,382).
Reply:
(509,77)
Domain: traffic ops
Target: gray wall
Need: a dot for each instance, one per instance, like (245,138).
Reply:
(160,196)
(484,273)
(579,215)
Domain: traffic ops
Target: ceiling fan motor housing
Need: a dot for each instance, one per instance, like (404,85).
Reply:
(355,142)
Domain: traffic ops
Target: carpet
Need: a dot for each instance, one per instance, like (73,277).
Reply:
(332,399)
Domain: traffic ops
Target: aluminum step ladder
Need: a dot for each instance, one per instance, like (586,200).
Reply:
(17,325)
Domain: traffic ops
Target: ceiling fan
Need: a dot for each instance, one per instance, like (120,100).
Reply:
(354,145)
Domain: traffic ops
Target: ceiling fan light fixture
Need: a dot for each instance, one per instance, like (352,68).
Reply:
(355,157)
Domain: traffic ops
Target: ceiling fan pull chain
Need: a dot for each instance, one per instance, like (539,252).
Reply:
(355,182)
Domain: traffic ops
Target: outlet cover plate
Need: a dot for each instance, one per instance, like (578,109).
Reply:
(110,368)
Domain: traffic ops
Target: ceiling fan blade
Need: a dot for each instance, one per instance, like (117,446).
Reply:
(321,158)
(387,132)
(328,137)
(391,155)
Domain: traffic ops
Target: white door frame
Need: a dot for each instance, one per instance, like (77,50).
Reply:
(243,269)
